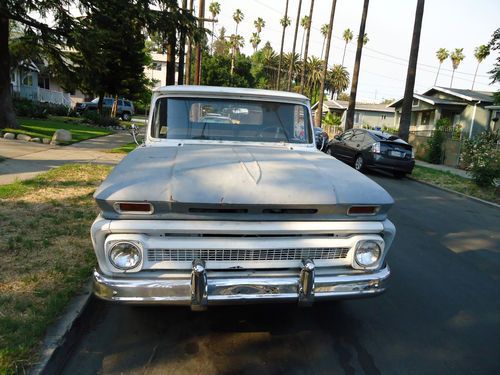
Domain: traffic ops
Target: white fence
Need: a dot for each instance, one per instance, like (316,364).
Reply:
(42,95)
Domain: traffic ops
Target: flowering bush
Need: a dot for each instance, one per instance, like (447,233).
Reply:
(481,157)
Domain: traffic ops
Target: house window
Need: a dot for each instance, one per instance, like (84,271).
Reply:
(415,102)
(426,118)
(44,82)
(384,117)
(157,66)
(27,79)
(357,118)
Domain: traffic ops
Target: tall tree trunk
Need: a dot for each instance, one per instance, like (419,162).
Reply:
(170,79)
(189,51)
(182,49)
(349,121)
(290,68)
(475,74)
(308,33)
(404,123)
(281,49)
(7,114)
(343,56)
(100,103)
(201,24)
(451,82)
(323,48)
(319,118)
(437,75)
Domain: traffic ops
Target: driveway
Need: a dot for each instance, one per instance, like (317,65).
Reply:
(25,160)
(440,316)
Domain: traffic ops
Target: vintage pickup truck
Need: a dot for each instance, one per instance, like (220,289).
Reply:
(229,201)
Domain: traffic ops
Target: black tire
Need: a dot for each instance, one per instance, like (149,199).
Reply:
(359,163)
(126,116)
(328,151)
(399,174)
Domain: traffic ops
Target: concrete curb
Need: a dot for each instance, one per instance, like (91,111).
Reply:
(63,334)
(479,200)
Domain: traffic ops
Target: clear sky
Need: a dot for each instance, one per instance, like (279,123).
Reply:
(447,23)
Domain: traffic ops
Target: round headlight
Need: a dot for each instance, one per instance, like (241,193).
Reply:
(125,255)
(367,253)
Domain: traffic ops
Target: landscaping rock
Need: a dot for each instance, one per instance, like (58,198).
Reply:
(61,136)
(23,137)
(45,141)
(38,140)
(9,136)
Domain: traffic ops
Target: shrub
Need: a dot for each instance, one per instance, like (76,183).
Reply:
(331,119)
(481,157)
(435,143)
(34,109)
(94,118)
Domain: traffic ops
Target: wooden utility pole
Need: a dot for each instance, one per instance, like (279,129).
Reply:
(404,123)
(290,68)
(304,60)
(182,49)
(281,50)
(201,23)
(349,120)
(189,52)
(319,111)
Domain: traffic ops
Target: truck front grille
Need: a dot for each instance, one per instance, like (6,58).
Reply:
(232,255)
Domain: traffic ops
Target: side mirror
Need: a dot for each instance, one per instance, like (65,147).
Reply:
(338,137)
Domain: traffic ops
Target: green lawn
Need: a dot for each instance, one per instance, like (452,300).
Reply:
(45,128)
(454,182)
(125,149)
(46,255)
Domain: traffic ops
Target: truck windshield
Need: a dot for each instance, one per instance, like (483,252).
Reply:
(231,120)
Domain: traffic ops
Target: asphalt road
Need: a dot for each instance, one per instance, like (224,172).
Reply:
(440,316)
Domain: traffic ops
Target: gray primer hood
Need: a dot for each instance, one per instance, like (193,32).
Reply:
(189,181)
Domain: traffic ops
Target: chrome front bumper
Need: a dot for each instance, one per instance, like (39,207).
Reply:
(202,288)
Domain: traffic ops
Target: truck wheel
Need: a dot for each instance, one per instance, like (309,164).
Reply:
(126,116)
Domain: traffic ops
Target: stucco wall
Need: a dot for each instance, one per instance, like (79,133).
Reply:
(481,119)
(373,119)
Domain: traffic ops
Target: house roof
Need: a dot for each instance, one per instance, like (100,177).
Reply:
(431,100)
(342,105)
(470,95)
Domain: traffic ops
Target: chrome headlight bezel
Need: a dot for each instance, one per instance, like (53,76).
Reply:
(132,245)
(378,246)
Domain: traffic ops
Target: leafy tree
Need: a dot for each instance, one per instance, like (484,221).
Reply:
(456,58)
(442,54)
(29,15)
(217,71)
(480,53)
(347,36)
(221,45)
(481,157)
(494,45)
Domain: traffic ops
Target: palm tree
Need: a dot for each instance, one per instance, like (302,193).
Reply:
(441,54)
(285,22)
(480,53)
(290,68)
(270,62)
(236,42)
(255,40)
(365,39)
(259,24)
(456,58)
(305,65)
(324,32)
(337,79)
(315,72)
(319,112)
(305,22)
(213,8)
(238,16)
(347,36)
(349,122)
(404,123)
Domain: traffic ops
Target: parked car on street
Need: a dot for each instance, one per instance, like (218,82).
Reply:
(237,210)
(125,109)
(321,138)
(372,149)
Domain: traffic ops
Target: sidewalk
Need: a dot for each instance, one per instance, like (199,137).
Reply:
(443,168)
(24,160)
